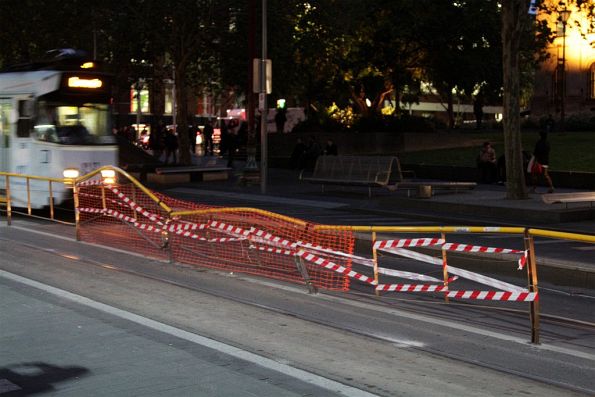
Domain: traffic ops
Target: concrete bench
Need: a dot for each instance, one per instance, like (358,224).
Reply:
(373,171)
(565,198)
(170,175)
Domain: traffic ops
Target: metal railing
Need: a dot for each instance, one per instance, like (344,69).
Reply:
(527,234)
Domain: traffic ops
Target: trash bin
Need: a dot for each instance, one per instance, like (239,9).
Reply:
(424,191)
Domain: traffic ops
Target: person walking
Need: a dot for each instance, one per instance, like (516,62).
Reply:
(540,162)
(171,146)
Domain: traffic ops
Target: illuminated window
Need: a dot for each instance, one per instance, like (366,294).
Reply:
(144,99)
(169,99)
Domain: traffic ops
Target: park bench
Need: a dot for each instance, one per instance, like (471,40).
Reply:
(372,171)
(565,198)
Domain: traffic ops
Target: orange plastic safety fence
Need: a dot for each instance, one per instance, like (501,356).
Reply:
(253,242)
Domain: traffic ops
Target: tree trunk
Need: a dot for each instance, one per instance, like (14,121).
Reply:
(514,16)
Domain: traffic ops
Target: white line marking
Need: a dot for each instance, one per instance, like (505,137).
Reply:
(264,362)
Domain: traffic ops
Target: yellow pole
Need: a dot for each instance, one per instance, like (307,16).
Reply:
(532,281)
(51,201)
(8,202)
(28,197)
(77,215)
(375,259)
(103,201)
(445,269)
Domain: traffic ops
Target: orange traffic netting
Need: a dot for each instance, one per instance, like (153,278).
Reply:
(231,239)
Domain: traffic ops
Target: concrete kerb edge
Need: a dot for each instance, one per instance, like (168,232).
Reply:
(555,271)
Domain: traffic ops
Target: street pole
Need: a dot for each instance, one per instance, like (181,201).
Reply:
(173,96)
(139,88)
(264,113)
(564,15)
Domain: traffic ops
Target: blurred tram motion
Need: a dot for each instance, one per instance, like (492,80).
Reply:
(54,115)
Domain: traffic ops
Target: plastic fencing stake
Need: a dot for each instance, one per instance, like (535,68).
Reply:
(103,200)
(8,203)
(532,287)
(375,260)
(444,268)
(77,215)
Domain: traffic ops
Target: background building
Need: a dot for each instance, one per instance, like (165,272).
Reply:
(565,83)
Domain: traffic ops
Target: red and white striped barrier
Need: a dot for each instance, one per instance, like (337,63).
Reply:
(333,266)
(274,250)
(411,287)
(521,296)
(169,228)
(268,238)
(489,250)
(415,242)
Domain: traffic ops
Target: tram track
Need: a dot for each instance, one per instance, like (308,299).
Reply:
(366,301)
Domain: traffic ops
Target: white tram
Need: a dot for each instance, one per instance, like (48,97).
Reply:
(54,116)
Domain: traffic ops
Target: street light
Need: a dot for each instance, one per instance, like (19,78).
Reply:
(264,114)
(564,15)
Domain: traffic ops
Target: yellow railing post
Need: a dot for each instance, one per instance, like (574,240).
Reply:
(444,268)
(8,202)
(51,201)
(532,287)
(28,196)
(77,216)
(375,259)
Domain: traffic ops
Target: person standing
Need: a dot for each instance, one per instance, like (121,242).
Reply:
(487,164)
(541,161)
(208,137)
(331,148)
(280,119)
(192,137)
(171,146)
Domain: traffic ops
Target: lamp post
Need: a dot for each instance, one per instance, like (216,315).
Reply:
(564,15)
(264,113)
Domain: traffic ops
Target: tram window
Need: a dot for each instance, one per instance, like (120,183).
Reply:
(24,122)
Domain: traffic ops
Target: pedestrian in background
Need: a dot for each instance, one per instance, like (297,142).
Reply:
(208,137)
(171,146)
(487,164)
(331,148)
(539,164)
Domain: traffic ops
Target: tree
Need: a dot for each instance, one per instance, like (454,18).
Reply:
(514,23)
(516,26)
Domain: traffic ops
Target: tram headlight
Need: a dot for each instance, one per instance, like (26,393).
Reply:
(70,174)
(108,177)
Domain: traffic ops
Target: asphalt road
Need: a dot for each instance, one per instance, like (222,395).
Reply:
(108,323)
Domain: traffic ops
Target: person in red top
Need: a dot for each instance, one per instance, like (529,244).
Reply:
(541,162)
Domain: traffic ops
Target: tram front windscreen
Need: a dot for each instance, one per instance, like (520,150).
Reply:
(73,124)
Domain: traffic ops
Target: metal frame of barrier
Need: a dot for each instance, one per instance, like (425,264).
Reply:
(7,199)
(527,234)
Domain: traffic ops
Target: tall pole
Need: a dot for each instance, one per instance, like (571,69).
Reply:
(564,15)
(139,87)
(173,97)
(265,108)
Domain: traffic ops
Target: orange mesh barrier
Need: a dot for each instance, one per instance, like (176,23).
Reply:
(236,240)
